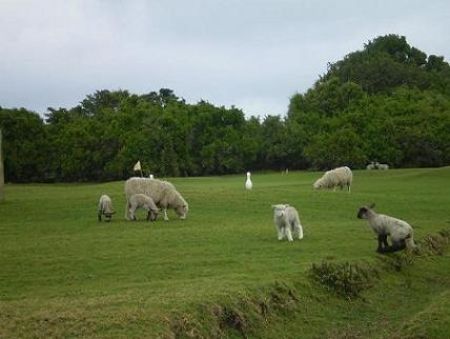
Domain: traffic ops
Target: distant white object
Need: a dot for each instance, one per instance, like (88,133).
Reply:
(287,222)
(248,182)
(137,166)
(151,176)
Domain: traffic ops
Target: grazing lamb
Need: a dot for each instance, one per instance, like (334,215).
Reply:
(163,194)
(400,231)
(105,208)
(287,221)
(142,201)
(383,167)
(371,166)
(341,176)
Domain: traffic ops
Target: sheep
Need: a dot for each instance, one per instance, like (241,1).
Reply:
(105,208)
(341,176)
(377,165)
(163,193)
(287,221)
(142,201)
(400,232)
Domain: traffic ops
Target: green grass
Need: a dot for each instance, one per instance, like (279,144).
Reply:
(63,274)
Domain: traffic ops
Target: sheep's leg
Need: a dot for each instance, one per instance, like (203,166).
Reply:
(280,233)
(166,218)
(300,231)
(382,243)
(297,230)
(398,245)
(288,233)
(99,215)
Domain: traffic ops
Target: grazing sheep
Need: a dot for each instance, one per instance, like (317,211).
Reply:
(142,201)
(377,165)
(105,208)
(163,194)
(400,231)
(341,176)
(371,166)
(287,221)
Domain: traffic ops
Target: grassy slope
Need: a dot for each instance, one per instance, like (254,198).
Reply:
(64,274)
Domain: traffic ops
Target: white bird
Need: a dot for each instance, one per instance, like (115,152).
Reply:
(248,182)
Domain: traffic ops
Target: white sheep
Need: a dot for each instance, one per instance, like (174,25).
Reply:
(400,232)
(287,222)
(105,208)
(163,193)
(142,201)
(371,166)
(341,176)
(383,167)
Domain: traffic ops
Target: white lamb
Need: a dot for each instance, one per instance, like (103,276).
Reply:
(163,194)
(105,208)
(287,222)
(341,176)
(142,201)
(400,231)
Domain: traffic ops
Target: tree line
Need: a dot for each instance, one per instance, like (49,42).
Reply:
(389,102)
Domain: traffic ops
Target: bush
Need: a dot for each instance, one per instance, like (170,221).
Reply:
(345,279)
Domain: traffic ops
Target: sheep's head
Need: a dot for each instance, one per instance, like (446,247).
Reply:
(318,184)
(182,211)
(364,211)
(279,210)
(108,215)
(152,215)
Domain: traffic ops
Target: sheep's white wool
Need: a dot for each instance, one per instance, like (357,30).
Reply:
(287,222)
(142,201)
(105,208)
(398,230)
(162,192)
(341,176)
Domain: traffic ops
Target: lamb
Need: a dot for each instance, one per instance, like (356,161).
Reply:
(105,208)
(163,193)
(383,167)
(287,221)
(341,176)
(400,231)
(142,201)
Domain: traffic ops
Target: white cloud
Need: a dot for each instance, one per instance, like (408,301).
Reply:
(251,54)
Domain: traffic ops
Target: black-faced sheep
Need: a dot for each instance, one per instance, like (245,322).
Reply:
(341,176)
(105,208)
(163,194)
(400,232)
(142,201)
(287,222)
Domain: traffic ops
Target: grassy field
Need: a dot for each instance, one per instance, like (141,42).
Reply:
(64,274)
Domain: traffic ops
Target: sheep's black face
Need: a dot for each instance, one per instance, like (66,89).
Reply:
(152,216)
(108,217)
(362,213)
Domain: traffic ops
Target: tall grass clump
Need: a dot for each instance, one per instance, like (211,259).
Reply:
(345,279)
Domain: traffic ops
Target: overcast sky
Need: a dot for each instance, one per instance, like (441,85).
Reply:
(251,54)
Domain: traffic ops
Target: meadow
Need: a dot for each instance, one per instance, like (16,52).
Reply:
(64,274)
